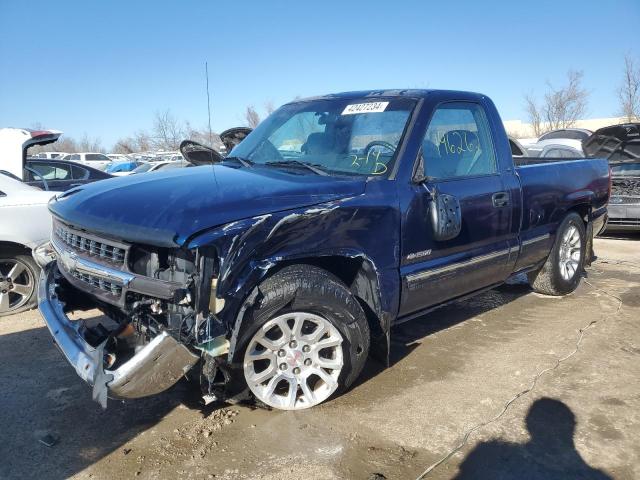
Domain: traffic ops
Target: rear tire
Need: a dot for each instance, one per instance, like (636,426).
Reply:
(561,272)
(18,283)
(306,340)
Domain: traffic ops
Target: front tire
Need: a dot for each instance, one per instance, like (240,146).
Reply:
(561,272)
(18,278)
(306,340)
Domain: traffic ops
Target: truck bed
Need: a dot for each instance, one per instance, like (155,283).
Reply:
(550,188)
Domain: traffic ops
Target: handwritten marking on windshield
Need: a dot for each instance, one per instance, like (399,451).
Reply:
(379,168)
(455,142)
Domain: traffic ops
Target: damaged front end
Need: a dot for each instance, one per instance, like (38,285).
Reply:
(160,313)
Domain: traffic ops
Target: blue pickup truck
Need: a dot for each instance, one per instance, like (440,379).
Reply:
(273,273)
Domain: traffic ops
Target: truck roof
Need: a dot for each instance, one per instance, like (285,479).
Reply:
(405,92)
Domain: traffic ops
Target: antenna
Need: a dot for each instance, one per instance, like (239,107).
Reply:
(206,72)
(213,169)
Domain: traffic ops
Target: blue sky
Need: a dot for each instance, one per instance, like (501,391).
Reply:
(105,67)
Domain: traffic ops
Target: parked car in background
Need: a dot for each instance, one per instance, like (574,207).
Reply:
(45,173)
(569,137)
(25,223)
(123,167)
(118,157)
(517,149)
(59,175)
(560,151)
(620,144)
(50,155)
(95,160)
(579,134)
(277,270)
(232,137)
(14,143)
(149,167)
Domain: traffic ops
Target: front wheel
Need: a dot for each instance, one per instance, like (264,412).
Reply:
(307,339)
(561,272)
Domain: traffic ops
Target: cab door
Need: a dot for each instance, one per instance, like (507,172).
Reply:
(460,162)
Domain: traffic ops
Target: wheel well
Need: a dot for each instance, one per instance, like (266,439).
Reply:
(14,248)
(345,268)
(352,271)
(583,210)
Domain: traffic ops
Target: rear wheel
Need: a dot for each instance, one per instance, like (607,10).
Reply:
(18,277)
(561,272)
(307,340)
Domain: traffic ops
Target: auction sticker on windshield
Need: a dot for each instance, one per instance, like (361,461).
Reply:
(370,107)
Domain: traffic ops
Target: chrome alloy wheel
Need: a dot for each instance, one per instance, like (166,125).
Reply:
(294,361)
(16,284)
(570,252)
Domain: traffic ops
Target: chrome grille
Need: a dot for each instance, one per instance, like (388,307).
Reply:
(624,200)
(97,248)
(99,283)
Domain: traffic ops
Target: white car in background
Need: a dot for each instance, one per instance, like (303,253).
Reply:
(14,143)
(25,223)
(91,159)
(50,155)
(118,157)
(569,137)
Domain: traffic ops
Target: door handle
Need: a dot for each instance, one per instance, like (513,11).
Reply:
(500,199)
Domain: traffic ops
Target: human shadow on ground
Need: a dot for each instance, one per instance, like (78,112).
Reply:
(550,454)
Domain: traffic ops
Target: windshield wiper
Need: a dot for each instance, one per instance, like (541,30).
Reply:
(309,166)
(242,161)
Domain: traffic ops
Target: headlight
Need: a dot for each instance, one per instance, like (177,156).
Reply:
(44,254)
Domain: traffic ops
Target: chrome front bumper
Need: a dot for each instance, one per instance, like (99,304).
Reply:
(153,369)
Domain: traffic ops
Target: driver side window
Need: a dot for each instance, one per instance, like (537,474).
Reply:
(458,142)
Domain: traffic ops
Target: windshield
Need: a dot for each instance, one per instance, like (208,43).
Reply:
(352,137)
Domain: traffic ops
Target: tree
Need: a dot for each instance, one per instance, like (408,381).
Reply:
(251,117)
(88,144)
(629,90)
(269,107)
(125,145)
(534,114)
(167,131)
(561,108)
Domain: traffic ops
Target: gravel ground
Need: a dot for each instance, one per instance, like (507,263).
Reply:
(568,369)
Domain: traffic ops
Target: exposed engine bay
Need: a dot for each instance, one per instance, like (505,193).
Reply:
(148,295)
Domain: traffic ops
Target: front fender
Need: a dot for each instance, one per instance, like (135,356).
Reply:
(249,250)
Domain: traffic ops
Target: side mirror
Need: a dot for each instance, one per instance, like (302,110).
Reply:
(198,154)
(446,216)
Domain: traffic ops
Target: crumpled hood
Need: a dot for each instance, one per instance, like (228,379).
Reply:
(167,208)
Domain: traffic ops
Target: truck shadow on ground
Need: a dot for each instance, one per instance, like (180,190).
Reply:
(550,454)
(407,336)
